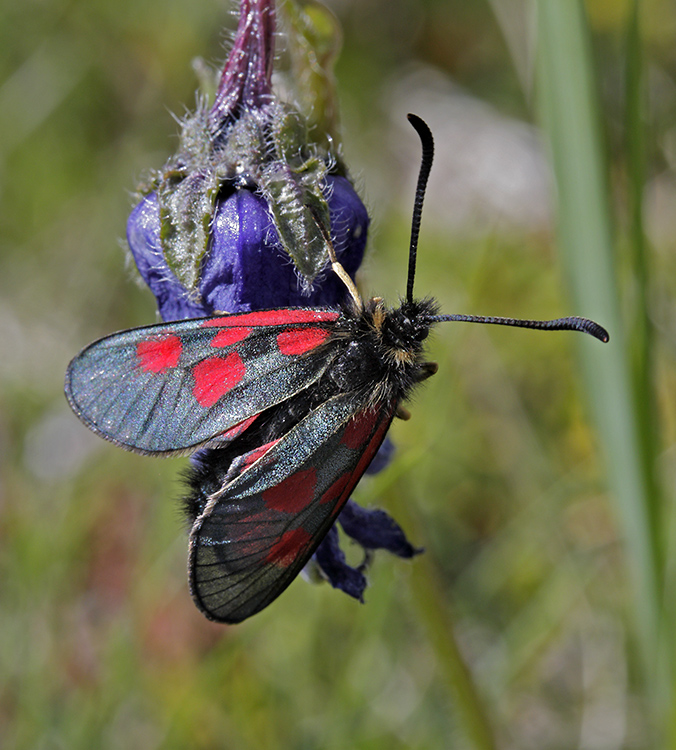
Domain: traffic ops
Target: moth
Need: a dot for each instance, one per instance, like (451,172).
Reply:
(290,405)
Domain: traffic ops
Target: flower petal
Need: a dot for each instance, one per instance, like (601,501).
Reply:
(246,267)
(375,529)
(143,236)
(382,458)
(339,574)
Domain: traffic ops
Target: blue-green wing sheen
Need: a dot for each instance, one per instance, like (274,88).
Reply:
(178,386)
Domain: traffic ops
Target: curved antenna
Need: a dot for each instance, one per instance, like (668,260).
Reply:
(560,324)
(427,143)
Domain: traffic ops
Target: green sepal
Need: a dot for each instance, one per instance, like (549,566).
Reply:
(268,149)
(292,183)
(187,188)
(301,217)
(186,209)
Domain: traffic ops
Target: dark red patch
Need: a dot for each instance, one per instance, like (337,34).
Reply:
(237,429)
(285,316)
(372,448)
(289,546)
(358,429)
(159,353)
(301,340)
(215,376)
(243,462)
(336,490)
(252,456)
(252,534)
(229,336)
(293,494)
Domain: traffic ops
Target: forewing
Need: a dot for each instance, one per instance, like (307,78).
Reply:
(177,386)
(260,529)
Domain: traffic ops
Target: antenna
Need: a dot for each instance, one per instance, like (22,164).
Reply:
(560,324)
(427,143)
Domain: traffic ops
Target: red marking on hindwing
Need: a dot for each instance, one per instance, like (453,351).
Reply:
(336,490)
(358,429)
(243,462)
(215,376)
(286,550)
(293,494)
(372,448)
(253,534)
(282,317)
(229,336)
(301,340)
(237,429)
(159,353)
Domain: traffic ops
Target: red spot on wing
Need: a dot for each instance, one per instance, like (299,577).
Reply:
(217,322)
(251,539)
(215,376)
(237,429)
(293,494)
(358,429)
(253,534)
(372,449)
(285,316)
(229,336)
(159,353)
(336,489)
(301,340)
(357,436)
(252,456)
(243,462)
(289,546)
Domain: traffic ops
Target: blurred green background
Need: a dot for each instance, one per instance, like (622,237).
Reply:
(537,470)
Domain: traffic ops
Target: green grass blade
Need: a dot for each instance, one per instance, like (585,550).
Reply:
(572,124)
(641,331)
(435,616)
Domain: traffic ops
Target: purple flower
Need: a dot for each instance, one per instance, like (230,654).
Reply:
(237,220)
(245,266)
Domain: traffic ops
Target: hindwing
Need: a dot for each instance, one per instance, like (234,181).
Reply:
(259,530)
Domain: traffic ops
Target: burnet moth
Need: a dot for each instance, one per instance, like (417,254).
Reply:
(292,404)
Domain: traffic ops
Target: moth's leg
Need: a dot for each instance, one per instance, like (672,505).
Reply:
(427,369)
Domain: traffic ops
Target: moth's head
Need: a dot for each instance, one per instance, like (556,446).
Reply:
(407,326)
